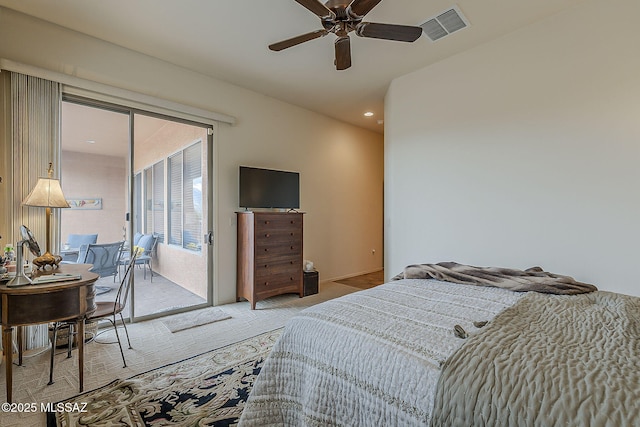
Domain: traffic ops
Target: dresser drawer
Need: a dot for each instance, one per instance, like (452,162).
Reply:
(277,222)
(278,236)
(276,267)
(277,250)
(277,282)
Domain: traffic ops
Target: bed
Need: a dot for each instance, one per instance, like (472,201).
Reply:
(421,351)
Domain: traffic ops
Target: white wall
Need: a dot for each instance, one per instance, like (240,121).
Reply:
(87,176)
(524,151)
(341,166)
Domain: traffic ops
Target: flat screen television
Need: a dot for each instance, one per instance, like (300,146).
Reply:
(268,188)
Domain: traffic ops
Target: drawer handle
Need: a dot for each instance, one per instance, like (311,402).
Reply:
(293,222)
(292,234)
(266,249)
(267,235)
(266,283)
(290,262)
(266,266)
(291,247)
(290,278)
(267,222)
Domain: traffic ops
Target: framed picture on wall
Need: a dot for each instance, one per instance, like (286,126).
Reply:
(87,203)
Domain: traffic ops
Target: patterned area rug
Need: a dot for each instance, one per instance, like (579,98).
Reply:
(205,390)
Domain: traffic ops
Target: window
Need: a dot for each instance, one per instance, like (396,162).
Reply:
(137,206)
(175,198)
(192,190)
(148,200)
(158,200)
(154,200)
(185,197)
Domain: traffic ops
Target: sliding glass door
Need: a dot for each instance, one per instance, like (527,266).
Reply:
(170,203)
(148,178)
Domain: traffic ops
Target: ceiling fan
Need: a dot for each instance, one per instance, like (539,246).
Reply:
(341,17)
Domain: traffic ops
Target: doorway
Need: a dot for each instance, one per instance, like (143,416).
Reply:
(128,174)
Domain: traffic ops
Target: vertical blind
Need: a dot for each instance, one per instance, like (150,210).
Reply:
(148,200)
(192,191)
(35,124)
(175,199)
(158,200)
(184,171)
(137,205)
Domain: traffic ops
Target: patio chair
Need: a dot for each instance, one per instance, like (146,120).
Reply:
(105,258)
(136,238)
(74,241)
(145,249)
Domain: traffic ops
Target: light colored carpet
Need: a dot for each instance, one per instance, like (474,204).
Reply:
(191,319)
(153,346)
(208,389)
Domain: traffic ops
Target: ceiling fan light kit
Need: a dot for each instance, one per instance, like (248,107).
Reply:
(342,17)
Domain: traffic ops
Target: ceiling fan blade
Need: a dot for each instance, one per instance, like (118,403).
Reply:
(297,40)
(343,53)
(359,8)
(315,6)
(402,33)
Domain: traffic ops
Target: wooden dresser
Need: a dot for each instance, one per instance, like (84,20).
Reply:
(269,255)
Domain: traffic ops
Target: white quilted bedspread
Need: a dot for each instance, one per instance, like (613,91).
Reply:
(372,358)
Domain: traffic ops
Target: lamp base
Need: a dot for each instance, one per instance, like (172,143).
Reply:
(47,259)
(19,280)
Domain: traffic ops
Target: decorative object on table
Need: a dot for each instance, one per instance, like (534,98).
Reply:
(208,389)
(308,265)
(86,203)
(47,194)
(21,279)
(9,253)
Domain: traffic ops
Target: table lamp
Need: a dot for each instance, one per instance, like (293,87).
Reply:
(47,194)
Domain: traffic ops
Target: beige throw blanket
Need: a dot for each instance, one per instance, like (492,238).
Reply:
(549,360)
(533,279)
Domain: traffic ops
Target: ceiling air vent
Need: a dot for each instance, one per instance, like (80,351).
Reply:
(444,24)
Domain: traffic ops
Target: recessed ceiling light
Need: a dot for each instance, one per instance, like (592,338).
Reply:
(368,114)
(91,141)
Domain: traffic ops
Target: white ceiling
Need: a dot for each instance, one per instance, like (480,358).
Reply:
(102,132)
(228,39)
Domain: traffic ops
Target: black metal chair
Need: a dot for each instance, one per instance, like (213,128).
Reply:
(104,311)
(108,310)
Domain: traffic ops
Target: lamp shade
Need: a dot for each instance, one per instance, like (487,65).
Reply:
(46,194)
